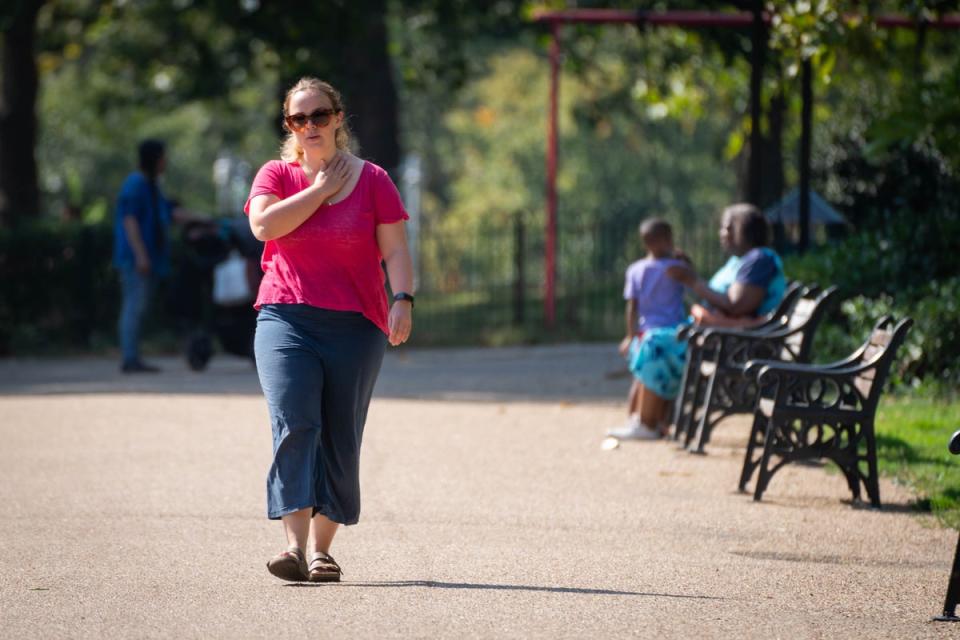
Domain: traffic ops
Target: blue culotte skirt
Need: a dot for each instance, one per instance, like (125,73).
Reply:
(657,360)
(317,369)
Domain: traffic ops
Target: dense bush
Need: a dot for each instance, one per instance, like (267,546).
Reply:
(60,293)
(905,205)
(58,289)
(901,260)
(933,345)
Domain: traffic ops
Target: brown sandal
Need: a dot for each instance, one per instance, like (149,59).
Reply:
(323,568)
(289,565)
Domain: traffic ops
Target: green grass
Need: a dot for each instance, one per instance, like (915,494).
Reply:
(912,437)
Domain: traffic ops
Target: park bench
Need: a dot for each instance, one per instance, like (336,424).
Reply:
(691,392)
(726,351)
(812,412)
(727,391)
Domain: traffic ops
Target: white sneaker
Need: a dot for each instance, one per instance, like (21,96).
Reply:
(634,430)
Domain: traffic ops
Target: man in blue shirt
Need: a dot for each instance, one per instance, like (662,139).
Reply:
(141,249)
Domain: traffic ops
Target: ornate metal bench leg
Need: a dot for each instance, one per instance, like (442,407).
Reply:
(852,475)
(676,412)
(704,425)
(872,482)
(705,429)
(755,440)
(691,431)
(847,457)
(700,408)
(694,391)
(690,417)
(763,478)
(680,413)
(953,591)
(680,403)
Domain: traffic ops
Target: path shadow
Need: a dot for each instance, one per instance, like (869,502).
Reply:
(434,584)
(819,558)
(550,373)
(912,506)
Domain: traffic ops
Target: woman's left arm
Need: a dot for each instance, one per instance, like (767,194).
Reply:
(740,300)
(392,240)
(707,318)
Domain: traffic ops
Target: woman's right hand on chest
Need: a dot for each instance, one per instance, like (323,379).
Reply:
(331,178)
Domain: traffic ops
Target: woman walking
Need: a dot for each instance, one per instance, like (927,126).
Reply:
(328,219)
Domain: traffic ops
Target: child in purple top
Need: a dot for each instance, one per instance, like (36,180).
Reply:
(654,298)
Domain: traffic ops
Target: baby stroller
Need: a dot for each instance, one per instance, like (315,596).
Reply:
(215,288)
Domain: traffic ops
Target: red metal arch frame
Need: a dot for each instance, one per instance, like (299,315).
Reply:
(687,20)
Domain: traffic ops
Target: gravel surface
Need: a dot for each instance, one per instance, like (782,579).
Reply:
(134,507)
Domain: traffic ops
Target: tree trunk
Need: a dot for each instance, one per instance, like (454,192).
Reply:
(368,88)
(354,59)
(758,55)
(806,142)
(19,194)
(773,181)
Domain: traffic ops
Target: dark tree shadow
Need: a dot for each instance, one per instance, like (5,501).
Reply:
(898,449)
(824,558)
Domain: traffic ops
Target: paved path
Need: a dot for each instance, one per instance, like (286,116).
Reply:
(133,507)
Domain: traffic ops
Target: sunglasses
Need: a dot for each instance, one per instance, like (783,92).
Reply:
(319,118)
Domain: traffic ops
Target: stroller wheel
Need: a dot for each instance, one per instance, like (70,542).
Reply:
(199,351)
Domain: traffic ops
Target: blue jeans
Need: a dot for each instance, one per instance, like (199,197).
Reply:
(135,288)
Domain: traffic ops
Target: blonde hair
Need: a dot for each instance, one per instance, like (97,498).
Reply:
(291,151)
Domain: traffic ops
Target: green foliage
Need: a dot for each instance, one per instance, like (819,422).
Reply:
(207,77)
(928,359)
(901,260)
(932,348)
(113,75)
(806,30)
(902,191)
(929,111)
(653,121)
(434,42)
(906,206)
(634,142)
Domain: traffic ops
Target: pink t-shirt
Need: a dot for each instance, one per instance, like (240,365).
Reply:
(332,260)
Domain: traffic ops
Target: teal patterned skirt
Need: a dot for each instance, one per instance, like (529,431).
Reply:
(657,359)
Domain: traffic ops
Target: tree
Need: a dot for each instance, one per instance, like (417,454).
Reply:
(19,195)
(343,43)
(133,63)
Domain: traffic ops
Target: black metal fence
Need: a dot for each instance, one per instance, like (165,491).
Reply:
(485,285)
(479,285)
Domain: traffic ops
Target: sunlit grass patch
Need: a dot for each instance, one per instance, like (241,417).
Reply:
(912,437)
